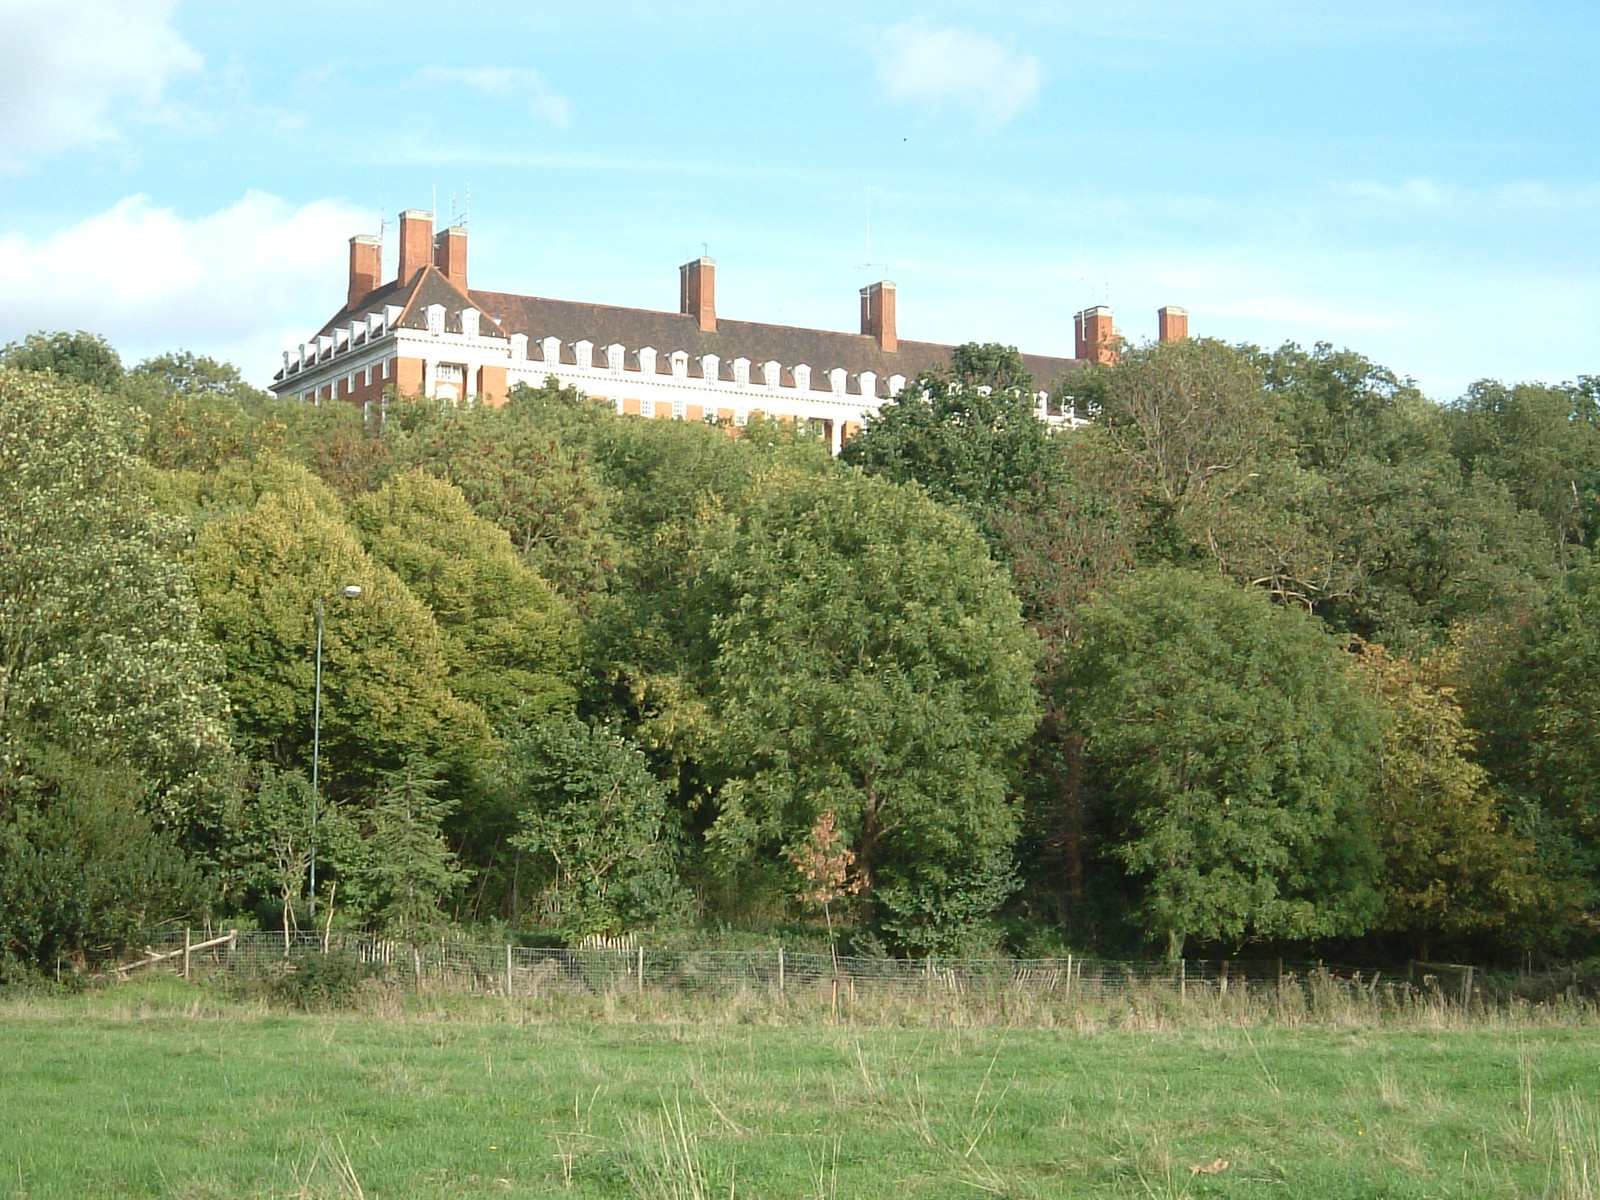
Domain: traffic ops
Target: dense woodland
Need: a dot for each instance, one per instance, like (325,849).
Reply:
(1276,652)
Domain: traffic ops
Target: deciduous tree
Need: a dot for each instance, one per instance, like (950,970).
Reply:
(1231,754)
(870,661)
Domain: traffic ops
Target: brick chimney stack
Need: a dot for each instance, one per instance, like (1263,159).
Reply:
(416,243)
(1097,336)
(450,255)
(697,292)
(1172,324)
(366,268)
(877,315)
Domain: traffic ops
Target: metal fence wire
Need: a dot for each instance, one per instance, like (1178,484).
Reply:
(600,970)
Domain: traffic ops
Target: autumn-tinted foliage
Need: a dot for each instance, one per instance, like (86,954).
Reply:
(1275,649)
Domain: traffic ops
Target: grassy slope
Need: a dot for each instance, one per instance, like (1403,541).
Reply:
(155,1094)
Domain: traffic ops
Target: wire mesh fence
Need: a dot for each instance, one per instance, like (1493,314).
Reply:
(608,969)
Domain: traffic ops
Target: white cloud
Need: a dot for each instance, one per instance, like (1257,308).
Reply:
(923,63)
(239,284)
(506,83)
(68,68)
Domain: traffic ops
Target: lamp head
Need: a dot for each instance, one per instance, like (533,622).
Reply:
(352,592)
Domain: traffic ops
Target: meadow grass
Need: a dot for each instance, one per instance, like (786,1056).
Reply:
(166,1089)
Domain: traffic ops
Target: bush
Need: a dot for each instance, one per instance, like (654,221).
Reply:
(316,982)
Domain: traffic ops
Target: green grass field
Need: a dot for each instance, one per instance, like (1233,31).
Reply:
(161,1089)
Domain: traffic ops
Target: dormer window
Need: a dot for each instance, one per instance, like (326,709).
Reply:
(469,322)
(435,319)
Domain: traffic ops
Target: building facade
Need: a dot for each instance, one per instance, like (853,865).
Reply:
(427,332)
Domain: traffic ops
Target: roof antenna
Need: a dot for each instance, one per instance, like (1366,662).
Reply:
(869,262)
(705,250)
(467,220)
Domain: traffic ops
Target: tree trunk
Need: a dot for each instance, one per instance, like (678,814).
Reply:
(867,859)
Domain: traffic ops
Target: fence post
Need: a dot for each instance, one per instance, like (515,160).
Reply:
(780,970)
(1224,981)
(1069,977)
(1183,980)
(508,970)
(186,941)
(641,968)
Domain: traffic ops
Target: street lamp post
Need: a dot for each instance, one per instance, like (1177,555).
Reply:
(351,592)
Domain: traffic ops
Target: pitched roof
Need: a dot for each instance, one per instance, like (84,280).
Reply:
(820,349)
(539,317)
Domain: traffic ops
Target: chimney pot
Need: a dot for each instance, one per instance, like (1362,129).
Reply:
(697,292)
(1172,324)
(416,243)
(878,315)
(366,255)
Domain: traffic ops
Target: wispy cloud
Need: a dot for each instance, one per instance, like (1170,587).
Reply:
(1427,195)
(68,67)
(938,66)
(515,84)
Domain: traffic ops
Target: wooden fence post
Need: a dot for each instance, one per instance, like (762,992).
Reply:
(641,968)
(186,944)
(780,970)
(1069,977)
(508,970)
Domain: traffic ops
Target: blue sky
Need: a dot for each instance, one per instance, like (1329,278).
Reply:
(1415,180)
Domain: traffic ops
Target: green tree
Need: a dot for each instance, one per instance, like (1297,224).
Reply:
(511,643)
(1542,443)
(83,869)
(969,433)
(595,824)
(84,358)
(386,693)
(1535,697)
(406,871)
(1451,864)
(1415,544)
(526,467)
(200,414)
(276,834)
(870,661)
(100,640)
(1231,754)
